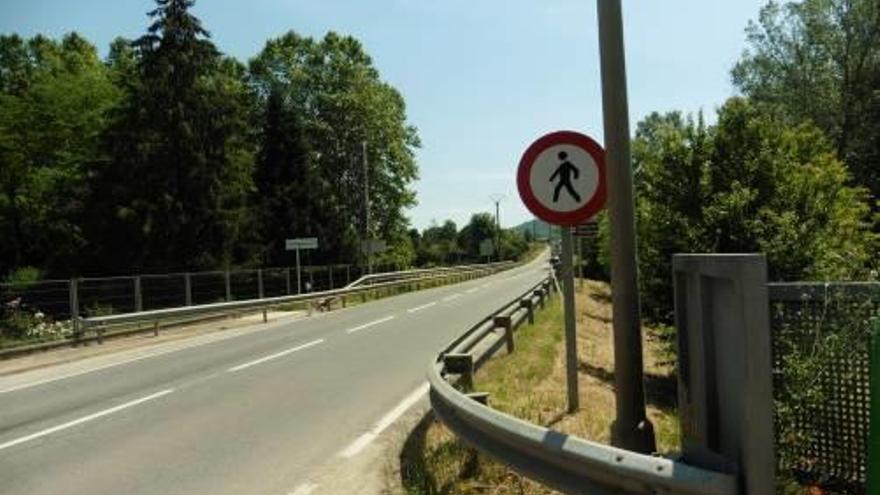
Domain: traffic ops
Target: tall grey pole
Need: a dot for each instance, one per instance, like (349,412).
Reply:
(571,363)
(299,288)
(367,239)
(631,428)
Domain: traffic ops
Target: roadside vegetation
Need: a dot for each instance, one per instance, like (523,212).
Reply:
(530,384)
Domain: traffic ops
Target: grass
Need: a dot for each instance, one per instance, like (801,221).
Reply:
(530,384)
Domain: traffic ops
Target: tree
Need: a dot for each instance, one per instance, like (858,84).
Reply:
(289,191)
(172,192)
(751,183)
(54,99)
(819,61)
(342,104)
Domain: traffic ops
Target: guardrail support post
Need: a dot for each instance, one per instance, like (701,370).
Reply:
(138,295)
(259,283)
(228,282)
(156,328)
(342,300)
(462,365)
(100,332)
(187,287)
(540,294)
(265,316)
(506,323)
(530,309)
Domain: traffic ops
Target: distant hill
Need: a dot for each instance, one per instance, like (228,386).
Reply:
(539,229)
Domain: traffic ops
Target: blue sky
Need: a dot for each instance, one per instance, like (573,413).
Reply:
(482,78)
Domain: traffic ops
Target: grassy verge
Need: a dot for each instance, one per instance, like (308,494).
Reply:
(530,384)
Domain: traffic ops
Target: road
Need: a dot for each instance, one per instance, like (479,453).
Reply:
(249,412)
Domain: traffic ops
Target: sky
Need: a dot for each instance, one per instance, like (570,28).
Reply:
(482,78)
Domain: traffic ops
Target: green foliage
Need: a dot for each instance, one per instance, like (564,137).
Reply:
(54,97)
(23,276)
(819,61)
(179,157)
(344,109)
(751,183)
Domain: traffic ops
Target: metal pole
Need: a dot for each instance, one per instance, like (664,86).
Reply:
(138,295)
(299,287)
(497,230)
(367,208)
(581,262)
(187,287)
(74,306)
(227,282)
(260,283)
(570,329)
(287,279)
(631,428)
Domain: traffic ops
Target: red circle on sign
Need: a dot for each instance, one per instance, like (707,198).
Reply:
(593,206)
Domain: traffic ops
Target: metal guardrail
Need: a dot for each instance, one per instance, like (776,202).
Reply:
(377,278)
(270,302)
(563,462)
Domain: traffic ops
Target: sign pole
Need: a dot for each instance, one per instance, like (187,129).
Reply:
(631,428)
(298,274)
(571,363)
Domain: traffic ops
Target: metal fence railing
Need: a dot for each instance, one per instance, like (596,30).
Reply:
(821,339)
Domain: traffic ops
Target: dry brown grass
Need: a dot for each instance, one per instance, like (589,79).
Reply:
(530,384)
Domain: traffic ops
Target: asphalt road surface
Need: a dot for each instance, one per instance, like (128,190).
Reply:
(257,411)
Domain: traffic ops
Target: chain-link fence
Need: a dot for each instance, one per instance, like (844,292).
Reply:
(40,311)
(821,337)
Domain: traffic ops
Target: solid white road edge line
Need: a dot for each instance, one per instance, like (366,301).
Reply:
(419,308)
(85,419)
(274,356)
(362,441)
(304,489)
(370,324)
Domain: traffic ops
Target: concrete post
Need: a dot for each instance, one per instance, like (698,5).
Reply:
(631,428)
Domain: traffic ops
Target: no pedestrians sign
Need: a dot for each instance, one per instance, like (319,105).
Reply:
(561,178)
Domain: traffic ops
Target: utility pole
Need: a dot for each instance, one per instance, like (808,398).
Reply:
(631,428)
(367,240)
(496,198)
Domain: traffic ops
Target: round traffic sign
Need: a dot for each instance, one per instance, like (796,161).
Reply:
(561,178)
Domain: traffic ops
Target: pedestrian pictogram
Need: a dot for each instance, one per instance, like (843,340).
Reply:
(561,178)
(564,173)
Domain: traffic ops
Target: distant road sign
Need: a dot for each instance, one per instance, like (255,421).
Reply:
(588,229)
(301,243)
(561,178)
(374,246)
(487,247)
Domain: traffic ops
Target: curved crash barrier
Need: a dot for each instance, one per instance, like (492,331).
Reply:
(725,452)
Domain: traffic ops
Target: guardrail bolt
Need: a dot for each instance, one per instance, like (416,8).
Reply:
(530,311)
(506,323)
